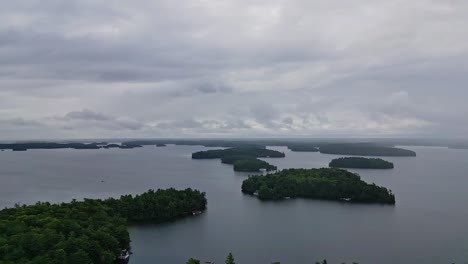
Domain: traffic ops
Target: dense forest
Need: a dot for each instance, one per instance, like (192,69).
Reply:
(252,165)
(361,163)
(243,159)
(365,150)
(247,164)
(158,206)
(89,231)
(325,183)
(244,152)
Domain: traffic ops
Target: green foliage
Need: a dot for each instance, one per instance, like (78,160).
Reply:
(232,159)
(243,159)
(326,183)
(245,152)
(230,259)
(361,163)
(77,232)
(251,164)
(91,231)
(365,150)
(193,261)
(158,206)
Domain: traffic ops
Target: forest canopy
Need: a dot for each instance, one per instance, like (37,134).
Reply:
(252,165)
(325,183)
(243,159)
(245,152)
(89,231)
(361,163)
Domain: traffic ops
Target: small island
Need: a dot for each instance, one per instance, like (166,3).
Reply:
(161,145)
(365,150)
(325,183)
(245,152)
(89,231)
(243,159)
(361,163)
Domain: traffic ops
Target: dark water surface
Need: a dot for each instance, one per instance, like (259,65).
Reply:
(429,223)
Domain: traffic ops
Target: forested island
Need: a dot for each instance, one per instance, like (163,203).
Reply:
(325,183)
(89,231)
(304,147)
(247,164)
(361,163)
(245,152)
(365,150)
(252,165)
(243,159)
(53,145)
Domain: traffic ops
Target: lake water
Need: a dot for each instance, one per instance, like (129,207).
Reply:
(429,223)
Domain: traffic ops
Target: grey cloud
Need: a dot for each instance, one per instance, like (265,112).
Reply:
(86,117)
(20,122)
(86,114)
(152,68)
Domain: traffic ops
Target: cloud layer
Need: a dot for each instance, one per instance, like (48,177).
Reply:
(239,68)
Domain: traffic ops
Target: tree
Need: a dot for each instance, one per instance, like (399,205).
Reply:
(230,259)
(193,261)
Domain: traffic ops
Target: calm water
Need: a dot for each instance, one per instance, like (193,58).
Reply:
(429,223)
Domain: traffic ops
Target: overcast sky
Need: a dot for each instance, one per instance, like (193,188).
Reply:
(240,68)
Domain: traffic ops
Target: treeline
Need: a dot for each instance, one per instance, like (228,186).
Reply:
(365,150)
(203,142)
(361,163)
(243,152)
(53,145)
(303,147)
(158,206)
(325,183)
(89,231)
(247,164)
(243,159)
(252,164)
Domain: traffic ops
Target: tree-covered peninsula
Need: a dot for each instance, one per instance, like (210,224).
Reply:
(325,183)
(243,159)
(247,164)
(244,152)
(361,163)
(252,165)
(89,231)
(365,150)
